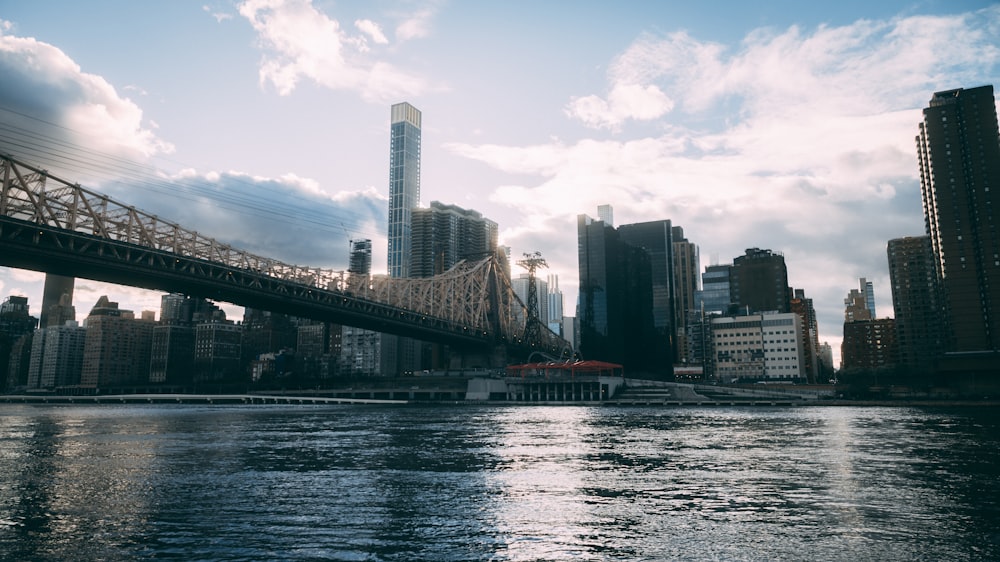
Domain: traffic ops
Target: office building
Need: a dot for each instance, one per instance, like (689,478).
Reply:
(915,301)
(554,304)
(606,214)
(868,290)
(57,301)
(715,296)
(958,152)
(759,282)
(615,308)
(758,347)
(358,351)
(656,239)
(521,286)
(810,335)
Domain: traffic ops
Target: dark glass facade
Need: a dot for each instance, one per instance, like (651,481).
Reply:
(915,301)
(615,309)
(759,282)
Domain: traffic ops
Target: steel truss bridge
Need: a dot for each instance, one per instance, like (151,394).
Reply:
(51,225)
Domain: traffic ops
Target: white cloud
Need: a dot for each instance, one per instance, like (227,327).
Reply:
(415,26)
(302,42)
(373,30)
(794,140)
(42,84)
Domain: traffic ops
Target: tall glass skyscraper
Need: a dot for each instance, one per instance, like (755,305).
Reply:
(958,148)
(404,184)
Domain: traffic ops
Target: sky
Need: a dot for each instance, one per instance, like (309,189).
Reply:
(786,126)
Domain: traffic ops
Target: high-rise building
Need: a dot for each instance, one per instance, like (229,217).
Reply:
(615,308)
(915,301)
(15,323)
(686,267)
(869,344)
(856,307)
(117,348)
(810,335)
(715,296)
(759,282)
(358,352)
(958,150)
(404,184)
(443,235)
(867,289)
(656,239)
(606,214)
(521,287)
(57,356)
(554,304)
(218,351)
(57,300)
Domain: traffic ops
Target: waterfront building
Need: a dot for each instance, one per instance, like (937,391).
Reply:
(218,351)
(656,239)
(958,150)
(758,347)
(117,347)
(398,355)
(521,287)
(15,322)
(915,301)
(172,354)
(61,363)
(759,282)
(18,363)
(615,308)
(869,344)
(358,351)
(686,282)
(266,332)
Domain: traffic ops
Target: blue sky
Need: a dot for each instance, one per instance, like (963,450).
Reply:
(786,126)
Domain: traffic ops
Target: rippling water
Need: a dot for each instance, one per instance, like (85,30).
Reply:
(504,483)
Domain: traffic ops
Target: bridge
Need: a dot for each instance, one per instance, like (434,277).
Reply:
(49,224)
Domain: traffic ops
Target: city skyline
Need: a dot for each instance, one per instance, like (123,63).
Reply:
(780,128)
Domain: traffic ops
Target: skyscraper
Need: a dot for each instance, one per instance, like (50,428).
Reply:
(443,235)
(687,264)
(915,301)
(615,308)
(404,184)
(759,282)
(958,149)
(656,239)
(868,290)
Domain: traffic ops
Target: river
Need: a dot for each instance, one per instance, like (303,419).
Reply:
(123,482)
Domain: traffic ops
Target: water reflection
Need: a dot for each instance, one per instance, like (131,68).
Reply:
(512,483)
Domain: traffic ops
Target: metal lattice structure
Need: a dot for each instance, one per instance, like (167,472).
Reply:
(48,223)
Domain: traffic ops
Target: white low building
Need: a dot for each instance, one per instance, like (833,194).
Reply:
(762,347)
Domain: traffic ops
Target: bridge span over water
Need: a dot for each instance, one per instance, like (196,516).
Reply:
(52,225)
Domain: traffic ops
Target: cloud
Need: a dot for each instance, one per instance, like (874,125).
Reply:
(795,140)
(42,85)
(301,42)
(290,218)
(415,26)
